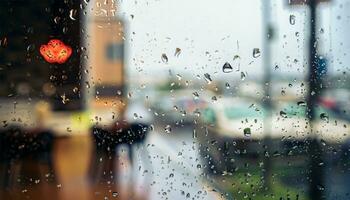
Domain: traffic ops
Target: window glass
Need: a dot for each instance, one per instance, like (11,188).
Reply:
(160,99)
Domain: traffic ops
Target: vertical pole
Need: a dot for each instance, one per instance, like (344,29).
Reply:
(267,36)
(314,150)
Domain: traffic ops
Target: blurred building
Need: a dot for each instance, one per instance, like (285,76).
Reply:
(105,64)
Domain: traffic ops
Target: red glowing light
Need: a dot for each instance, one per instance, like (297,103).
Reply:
(55,51)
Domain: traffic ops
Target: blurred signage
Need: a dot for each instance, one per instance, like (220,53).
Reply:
(55,51)
(304,2)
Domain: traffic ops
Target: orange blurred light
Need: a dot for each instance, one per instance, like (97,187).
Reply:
(55,51)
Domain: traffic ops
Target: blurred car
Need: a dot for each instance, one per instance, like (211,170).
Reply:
(234,127)
(181,105)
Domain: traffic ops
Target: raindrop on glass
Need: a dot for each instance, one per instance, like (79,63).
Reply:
(283,114)
(194,133)
(30,48)
(195,95)
(243,76)
(324,117)
(115,194)
(283,92)
(292,19)
(301,103)
(207,78)
(72,14)
(177,52)
(227,68)
(167,128)
(256,52)
(164,58)
(247,132)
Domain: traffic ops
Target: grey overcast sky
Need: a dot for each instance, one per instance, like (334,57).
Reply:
(211,33)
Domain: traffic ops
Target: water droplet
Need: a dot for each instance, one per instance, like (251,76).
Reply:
(207,78)
(167,128)
(247,132)
(30,48)
(177,52)
(324,116)
(115,194)
(256,52)
(227,85)
(236,62)
(320,187)
(64,98)
(236,57)
(87,84)
(321,30)
(179,77)
(194,134)
(283,114)
(243,76)
(292,19)
(195,95)
(164,58)
(72,14)
(64,30)
(56,19)
(301,103)
(75,89)
(227,68)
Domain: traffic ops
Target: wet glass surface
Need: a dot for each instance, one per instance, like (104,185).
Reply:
(160,99)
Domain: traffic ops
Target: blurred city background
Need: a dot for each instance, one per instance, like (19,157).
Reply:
(161,99)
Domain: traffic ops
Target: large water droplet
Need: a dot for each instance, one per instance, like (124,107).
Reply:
(256,52)
(292,19)
(177,52)
(324,117)
(72,14)
(236,62)
(247,132)
(164,58)
(167,128)
(227,68)
(56,19)
(207,78)
(194,134)
(301,103)
(115,194)
(283,114)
